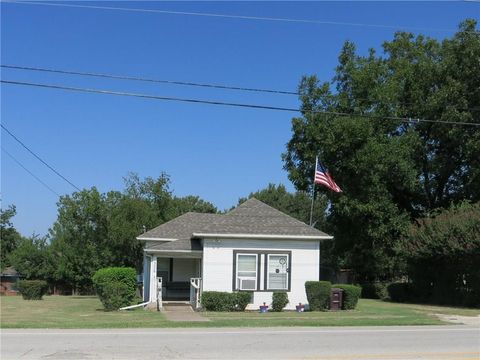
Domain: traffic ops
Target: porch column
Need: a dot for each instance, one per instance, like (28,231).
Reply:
(146,278)
(153,278)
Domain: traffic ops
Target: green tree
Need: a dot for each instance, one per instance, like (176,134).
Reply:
(32,259)
(144,204)
(95,230)
(127,217)
(155,192)
(9,236)
(391,172)
(181,205)
(80,239)
(443,253)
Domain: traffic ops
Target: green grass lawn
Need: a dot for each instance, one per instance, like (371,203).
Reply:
(87,312)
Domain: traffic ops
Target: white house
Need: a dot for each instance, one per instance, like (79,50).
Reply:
(254,247)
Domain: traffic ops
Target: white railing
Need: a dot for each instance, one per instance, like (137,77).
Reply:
(195,292)
(159,293)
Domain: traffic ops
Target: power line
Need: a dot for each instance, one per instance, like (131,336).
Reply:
(222,103)
(38,157)
(241,17)
(175,82)
(28,171)
(136,78)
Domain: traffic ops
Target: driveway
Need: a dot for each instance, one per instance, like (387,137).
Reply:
(425,342)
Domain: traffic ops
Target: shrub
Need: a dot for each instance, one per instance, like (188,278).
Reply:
(225,301)
(32,289)
(115,286)
(442,252)
(216,301)
(351,294)
(279,301)
(399,292)
(375,290)
(318,294)
(242,299)
(118,295)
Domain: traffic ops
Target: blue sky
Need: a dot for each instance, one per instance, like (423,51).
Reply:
(218,153)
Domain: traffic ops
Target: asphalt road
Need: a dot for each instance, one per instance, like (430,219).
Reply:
(406,342)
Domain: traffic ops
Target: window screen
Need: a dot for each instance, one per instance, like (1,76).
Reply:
(247,271)
(277,272)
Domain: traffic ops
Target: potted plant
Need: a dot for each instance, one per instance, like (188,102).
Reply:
(264,308)
(300,307)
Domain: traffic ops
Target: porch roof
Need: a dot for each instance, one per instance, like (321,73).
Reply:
(180,244)
(181,227)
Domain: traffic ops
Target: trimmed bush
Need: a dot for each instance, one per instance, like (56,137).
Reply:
(216,301)
(279,301)
(318,294)
(32,289)
(375,290)
(118,295)
(115,286)
(242,299)
(225,301)
(351,294)
(399,292)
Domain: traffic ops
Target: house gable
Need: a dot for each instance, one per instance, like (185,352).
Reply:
(251,219)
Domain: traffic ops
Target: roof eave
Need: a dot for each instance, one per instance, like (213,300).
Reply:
(154,239)
(172,251)
(261,236)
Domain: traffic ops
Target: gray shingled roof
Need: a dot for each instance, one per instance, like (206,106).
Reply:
(253,217)
(181,227)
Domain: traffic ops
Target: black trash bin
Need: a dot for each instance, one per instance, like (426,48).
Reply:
(336,299)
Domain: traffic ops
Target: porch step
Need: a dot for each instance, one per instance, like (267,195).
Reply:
(177,307)
(176,303)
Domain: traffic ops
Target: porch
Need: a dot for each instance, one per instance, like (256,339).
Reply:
(171,278)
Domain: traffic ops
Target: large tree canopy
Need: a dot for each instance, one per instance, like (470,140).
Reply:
(391,171)
(9,236)
(33,259)
(95,230)
(443,254)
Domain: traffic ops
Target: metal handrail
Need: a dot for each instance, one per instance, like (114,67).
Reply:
(195,282)
(159,293)
(195,290)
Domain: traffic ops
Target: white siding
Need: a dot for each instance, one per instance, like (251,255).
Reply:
(218,266)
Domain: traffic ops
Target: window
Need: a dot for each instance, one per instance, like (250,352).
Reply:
(246,277)
(262,270)
(277,275)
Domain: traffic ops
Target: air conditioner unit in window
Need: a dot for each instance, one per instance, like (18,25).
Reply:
(247,284)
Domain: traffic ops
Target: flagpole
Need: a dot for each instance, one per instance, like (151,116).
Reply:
(313,191)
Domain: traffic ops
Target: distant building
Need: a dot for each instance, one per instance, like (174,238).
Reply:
(8,281)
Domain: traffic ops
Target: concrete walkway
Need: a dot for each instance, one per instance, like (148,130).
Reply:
(457,319)
(181,312)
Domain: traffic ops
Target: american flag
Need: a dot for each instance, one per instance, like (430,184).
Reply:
(323,177)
